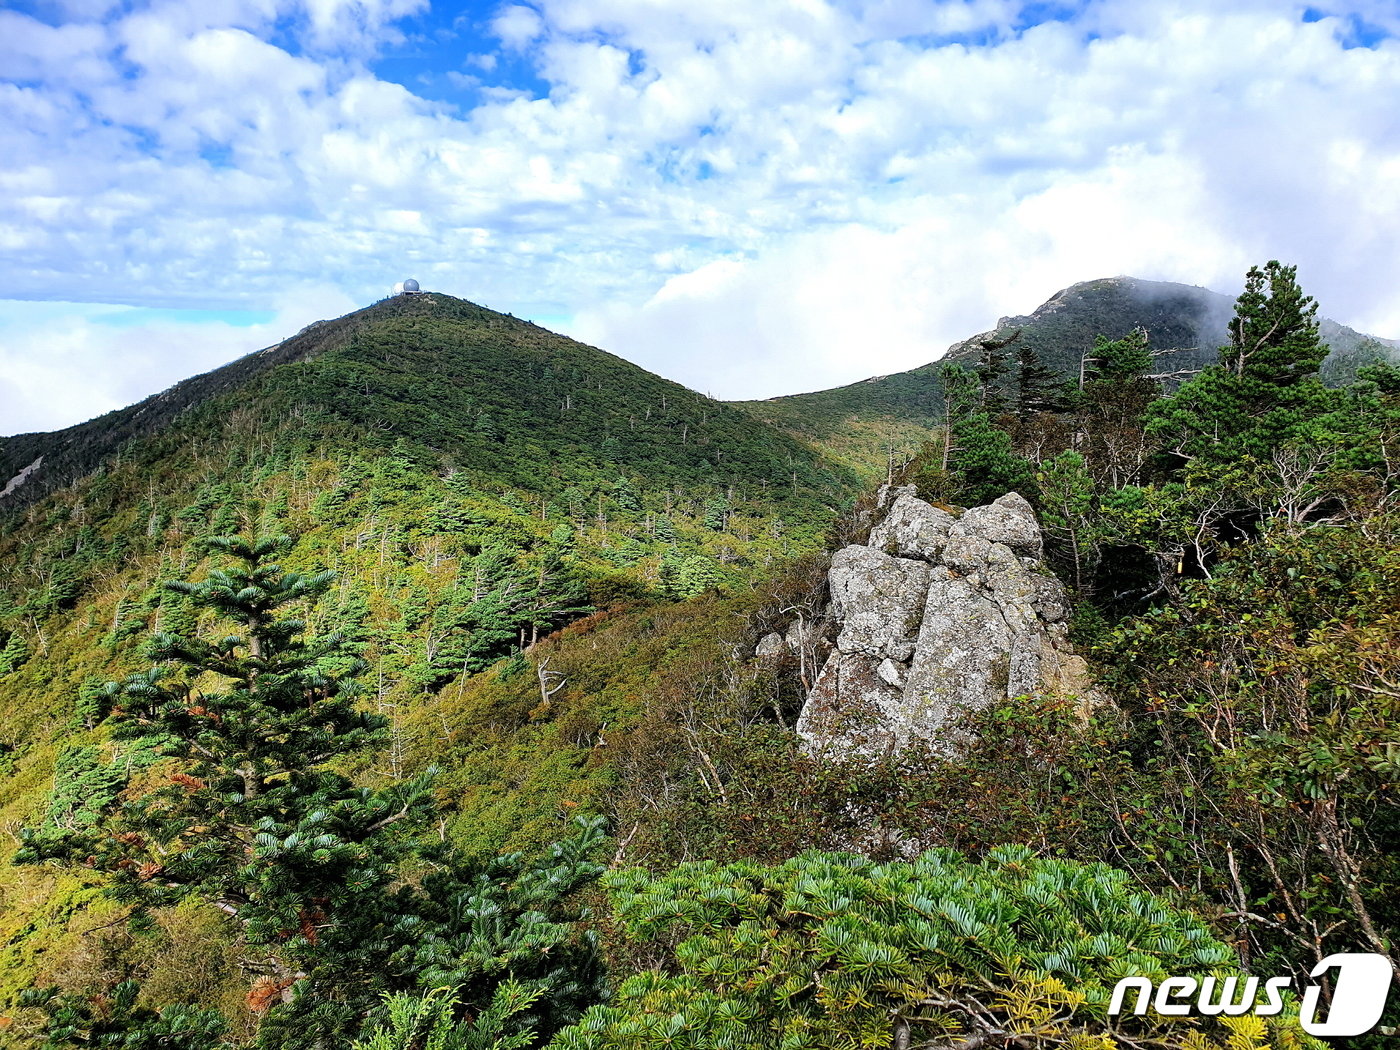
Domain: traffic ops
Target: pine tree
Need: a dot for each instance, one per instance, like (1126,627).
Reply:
(253,822)
(831,950)
(1265,392)
(1274,336)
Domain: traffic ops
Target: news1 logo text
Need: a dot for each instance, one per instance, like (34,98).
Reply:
(1358,997)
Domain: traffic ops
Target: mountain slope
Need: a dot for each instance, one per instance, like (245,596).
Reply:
(476,483)
(855,422)
(476,480)
(457,378)
(556,567)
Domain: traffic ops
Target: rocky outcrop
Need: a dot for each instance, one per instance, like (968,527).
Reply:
(938,613)
(23,476)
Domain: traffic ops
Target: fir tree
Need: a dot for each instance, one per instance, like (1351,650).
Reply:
(1037,386)
(625,496)
(979,455)
(487,427)
(119,1023)
(716,513)
(14,654)
(698,575)
(1265,392)
(253,822)
(1067,512)
(62,590)
(1112,407)
(962,394)
(992,371)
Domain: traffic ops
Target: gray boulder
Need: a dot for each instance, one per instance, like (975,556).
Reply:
(962,656)
(887,494)
(771,647)
(938,616)
(1008,520)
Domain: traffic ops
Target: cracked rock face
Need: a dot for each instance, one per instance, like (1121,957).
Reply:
(939,614)
(872,595)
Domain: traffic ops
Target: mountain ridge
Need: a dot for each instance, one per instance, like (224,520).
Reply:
(60,457)
(67,452)
(895,409)
(857,424)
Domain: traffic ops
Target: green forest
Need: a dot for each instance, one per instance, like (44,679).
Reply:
(400,693)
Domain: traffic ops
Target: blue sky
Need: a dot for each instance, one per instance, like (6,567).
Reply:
(750,198)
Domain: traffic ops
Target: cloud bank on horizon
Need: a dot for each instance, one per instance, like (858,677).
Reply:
(753,199)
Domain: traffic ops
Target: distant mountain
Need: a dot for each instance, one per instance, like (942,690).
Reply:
(855,422)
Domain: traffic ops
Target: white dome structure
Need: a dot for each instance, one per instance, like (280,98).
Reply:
(398,288)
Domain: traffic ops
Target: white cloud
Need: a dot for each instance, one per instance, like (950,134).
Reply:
(1186,153)
(750,197)
(516,26)
(336,23)
(837,305)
